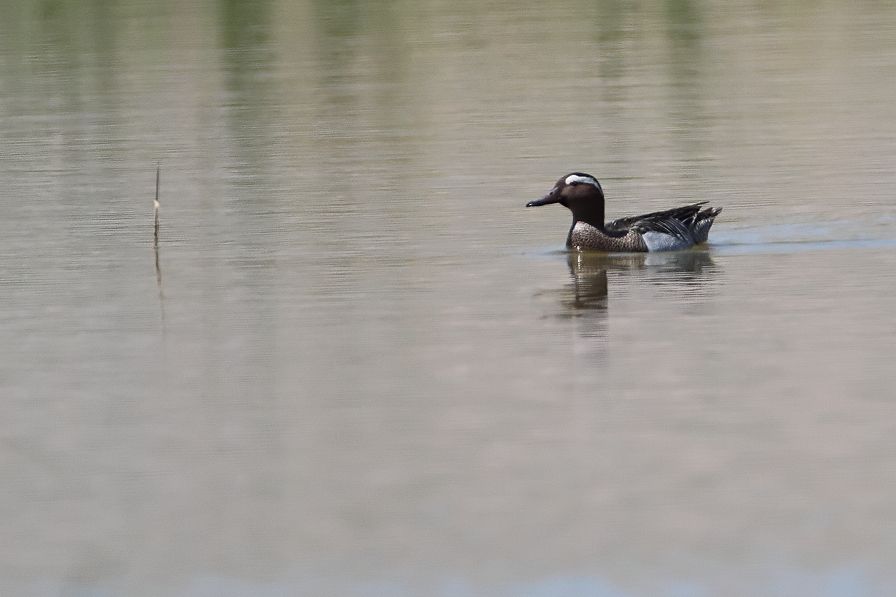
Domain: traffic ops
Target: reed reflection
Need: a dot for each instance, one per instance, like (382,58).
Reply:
(156,205)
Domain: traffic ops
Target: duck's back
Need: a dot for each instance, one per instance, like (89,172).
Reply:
(669,230)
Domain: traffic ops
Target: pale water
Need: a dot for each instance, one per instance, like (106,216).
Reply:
(357,365)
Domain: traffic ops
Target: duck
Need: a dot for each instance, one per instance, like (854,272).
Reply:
(669,230)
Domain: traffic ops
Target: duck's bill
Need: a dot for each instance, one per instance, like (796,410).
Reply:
(547,199)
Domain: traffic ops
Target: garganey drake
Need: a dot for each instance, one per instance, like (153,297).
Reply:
(668,230)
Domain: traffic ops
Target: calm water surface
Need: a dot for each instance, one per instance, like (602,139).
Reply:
(358,366)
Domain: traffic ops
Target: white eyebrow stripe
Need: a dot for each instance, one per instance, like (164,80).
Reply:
(583,179)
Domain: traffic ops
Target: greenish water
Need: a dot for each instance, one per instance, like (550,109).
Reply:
(358,366)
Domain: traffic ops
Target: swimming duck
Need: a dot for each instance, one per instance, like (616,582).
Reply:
(668,230)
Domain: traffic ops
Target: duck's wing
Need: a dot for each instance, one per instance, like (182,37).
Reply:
(676,228)
(681,214)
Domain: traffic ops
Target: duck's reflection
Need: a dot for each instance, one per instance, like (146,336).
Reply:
(586,296)
(588,271)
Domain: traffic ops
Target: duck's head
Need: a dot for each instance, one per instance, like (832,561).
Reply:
(577,191)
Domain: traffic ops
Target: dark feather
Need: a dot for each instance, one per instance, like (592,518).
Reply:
(688,222)
(681,214)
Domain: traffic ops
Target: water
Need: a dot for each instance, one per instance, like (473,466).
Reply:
(358,366)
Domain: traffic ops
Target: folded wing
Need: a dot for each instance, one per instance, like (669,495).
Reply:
(671,229)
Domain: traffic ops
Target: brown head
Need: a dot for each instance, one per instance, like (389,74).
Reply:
(582,194)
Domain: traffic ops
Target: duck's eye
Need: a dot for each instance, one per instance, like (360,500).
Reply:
(574,184)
